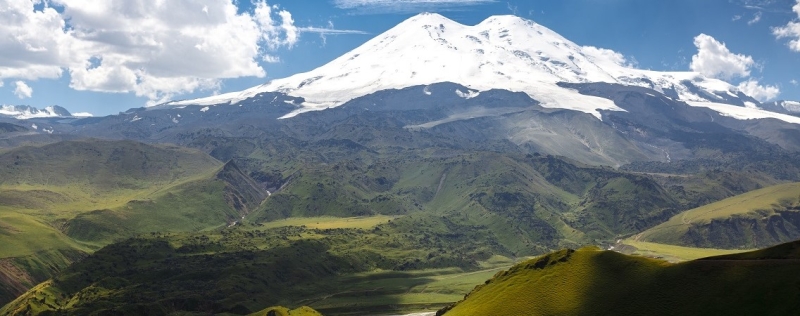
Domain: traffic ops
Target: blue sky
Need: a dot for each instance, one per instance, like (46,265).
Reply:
(103,59)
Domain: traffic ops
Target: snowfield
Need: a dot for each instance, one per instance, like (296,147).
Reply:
(502,52)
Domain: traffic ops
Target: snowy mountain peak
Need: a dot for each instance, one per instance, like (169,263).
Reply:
(27,112)
(427,17)
(502,52)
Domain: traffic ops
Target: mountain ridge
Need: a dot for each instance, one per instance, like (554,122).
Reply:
(23,112)
(505,52)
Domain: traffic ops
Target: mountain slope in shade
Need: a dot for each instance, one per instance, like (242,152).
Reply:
(594,282)
(502,52)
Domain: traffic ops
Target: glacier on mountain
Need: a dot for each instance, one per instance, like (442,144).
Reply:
(502,52)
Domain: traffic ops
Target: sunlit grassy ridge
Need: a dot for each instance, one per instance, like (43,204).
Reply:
(670,253)
(594,282)
(754,219)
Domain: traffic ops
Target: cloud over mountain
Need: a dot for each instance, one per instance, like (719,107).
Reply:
(713,59)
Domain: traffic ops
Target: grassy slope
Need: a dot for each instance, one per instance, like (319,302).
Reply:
(670,253)
(100,166)
(245,268)
(59,202)
(755,219)
(593,282)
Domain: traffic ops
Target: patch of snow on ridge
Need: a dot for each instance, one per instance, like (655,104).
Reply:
(468,95)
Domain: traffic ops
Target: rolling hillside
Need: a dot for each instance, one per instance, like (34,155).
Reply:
(594,282)
(754,219)
(62,201)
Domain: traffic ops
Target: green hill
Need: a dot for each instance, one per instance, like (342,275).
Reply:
(61,201)
(99,165)
(594,282)
(755,219)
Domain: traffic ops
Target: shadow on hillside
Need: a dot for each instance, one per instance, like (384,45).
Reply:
(623,285)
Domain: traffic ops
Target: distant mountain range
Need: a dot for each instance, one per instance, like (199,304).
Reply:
(26,112)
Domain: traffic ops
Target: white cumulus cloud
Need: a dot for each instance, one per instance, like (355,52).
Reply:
(713,59)
(791,30)
(22,90)
(762,93)
(153,48)
(34,44)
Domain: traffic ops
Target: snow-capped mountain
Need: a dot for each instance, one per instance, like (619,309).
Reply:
(502,52)
(23,112)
